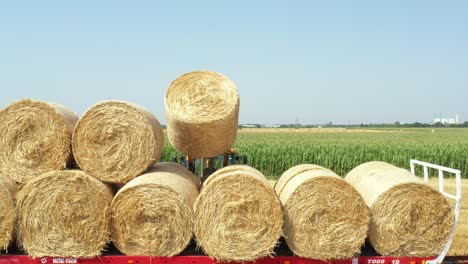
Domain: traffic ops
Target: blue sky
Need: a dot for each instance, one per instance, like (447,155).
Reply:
(339,61)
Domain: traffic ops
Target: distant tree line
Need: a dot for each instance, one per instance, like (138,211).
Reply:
(438,124)
(370,125)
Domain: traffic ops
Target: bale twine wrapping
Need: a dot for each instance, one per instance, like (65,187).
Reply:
(237,216)
(35,137)
(117,141)
(152,214)
(64,214)
(324,216)
(408,217)
(7,211)
(202,110)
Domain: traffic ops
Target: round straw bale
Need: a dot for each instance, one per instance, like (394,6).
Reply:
(231,168)
(7,211)
(324,216)
(408,217)
(152,214)
(64,214)
(35,137)
(237,216)
(116,141)
(202,110)
(293,171)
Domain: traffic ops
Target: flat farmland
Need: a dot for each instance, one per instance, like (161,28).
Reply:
(273,151)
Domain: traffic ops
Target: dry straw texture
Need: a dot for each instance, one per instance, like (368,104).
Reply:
(152,214)
(64,214)
(408,217)
(324,216)
(231,168)
(117,141)
(35,137)
(7,211)
(460,240)
(296,170)
(202,110)
(237,216)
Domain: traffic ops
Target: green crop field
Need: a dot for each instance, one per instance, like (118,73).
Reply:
(273,151)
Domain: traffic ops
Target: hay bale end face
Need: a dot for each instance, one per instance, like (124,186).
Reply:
(324,216)
(202,110)
(237,217)
(35,137)
(117,141)
(408,217)
(7,211)
(64,214)
(152,214)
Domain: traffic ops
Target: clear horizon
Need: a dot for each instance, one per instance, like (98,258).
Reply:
(293,62)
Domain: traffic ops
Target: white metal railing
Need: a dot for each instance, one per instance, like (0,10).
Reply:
(457,197)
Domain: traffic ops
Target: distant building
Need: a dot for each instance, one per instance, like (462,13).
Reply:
(248,126)
(271,126)
(447,121)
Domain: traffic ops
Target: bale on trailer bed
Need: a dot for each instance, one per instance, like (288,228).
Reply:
(202,110)
(232,168)
(35,138)
(116,141)
(7,211)
(64,214)
(237,216)
(408,217)
(324,216)
(152,214)
(293,171)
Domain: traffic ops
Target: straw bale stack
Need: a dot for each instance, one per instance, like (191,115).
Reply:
(152,214)
(116,141)
(35,137)
(7,211)
(64,214)
(408,217)
(324,216)
(202,110)
(237,215)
